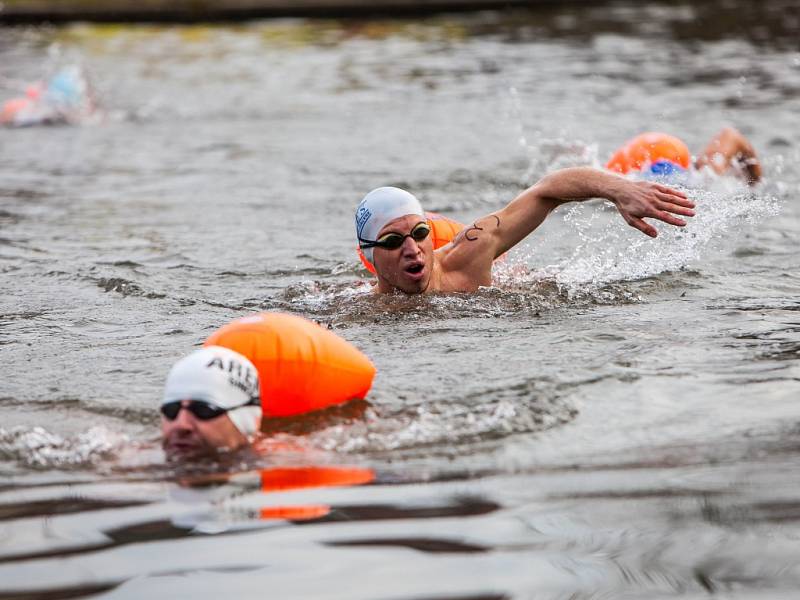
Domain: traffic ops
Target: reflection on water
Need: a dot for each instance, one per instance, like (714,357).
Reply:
(614,417)
(587,530)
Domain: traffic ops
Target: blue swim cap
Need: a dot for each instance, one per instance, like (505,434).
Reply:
(665,167)
(66,88)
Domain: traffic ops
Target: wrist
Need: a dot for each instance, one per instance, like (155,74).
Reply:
(614,188)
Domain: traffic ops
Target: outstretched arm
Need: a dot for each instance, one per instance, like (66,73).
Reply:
(467,261)
(471,253)
(730,149)
(635,200)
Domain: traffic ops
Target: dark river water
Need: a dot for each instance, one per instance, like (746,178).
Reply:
(616,417)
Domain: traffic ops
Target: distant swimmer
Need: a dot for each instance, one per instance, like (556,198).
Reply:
(664,156)
(66,97)
(211,404)
(395,238)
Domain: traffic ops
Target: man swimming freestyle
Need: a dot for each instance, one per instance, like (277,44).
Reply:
(394,235)
(211,404)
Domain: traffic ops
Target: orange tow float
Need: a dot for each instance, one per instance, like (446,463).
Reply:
(649,149)
(302,366)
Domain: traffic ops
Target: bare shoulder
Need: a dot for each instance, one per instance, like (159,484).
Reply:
(466,263)
(472,242)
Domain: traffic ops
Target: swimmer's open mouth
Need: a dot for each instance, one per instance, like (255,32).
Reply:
(414,269)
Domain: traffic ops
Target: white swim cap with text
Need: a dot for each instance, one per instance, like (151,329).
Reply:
(380,206)
(220,377)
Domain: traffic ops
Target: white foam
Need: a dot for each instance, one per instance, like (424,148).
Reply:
(616,252)
(37,447)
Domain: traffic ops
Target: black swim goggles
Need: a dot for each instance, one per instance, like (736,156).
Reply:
(204,411)
(392,241)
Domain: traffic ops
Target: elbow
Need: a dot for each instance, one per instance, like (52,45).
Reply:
(541,194)
(544,191)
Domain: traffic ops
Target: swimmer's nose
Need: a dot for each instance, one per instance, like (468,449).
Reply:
(184,419)
(410,247)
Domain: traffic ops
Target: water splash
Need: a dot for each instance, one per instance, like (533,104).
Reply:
(549,153)
(38,448)
(616,252)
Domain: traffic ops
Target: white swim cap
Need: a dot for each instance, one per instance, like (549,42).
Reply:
(380,206)
(220,377)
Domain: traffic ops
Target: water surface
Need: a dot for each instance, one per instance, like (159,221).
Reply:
(615,417)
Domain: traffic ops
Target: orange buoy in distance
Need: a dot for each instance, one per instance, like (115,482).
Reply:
(302,366)
(648,148)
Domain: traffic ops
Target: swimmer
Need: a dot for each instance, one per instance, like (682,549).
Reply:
(66,97)
(211,404)
(393,234)
(730,152)
(667,157)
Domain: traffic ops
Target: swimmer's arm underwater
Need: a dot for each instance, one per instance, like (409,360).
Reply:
(634,200)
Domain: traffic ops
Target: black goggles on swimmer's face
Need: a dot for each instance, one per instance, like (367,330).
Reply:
(204,411)
(392,241)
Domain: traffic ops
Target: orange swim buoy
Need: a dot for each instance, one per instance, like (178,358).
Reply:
(11,108)
(647,149)
(443,230)
(302,366)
